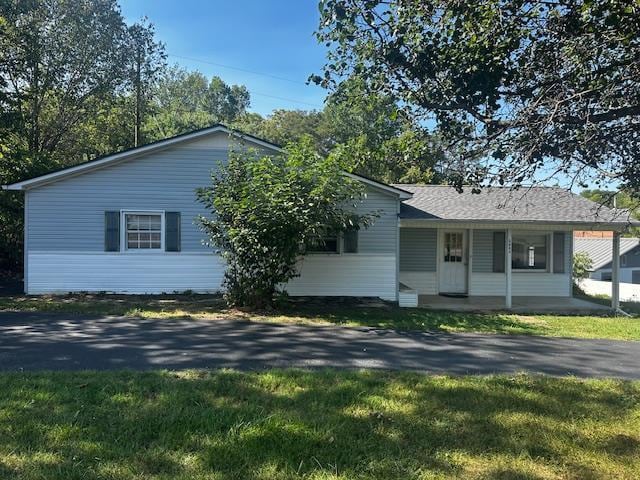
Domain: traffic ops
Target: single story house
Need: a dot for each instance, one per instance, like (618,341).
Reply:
(600,252)
(125,223)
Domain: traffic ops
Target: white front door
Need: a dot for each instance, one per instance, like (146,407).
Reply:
(453,262)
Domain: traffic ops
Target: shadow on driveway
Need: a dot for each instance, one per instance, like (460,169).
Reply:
(39,341)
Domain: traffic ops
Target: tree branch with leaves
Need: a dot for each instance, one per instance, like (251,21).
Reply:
(519,91)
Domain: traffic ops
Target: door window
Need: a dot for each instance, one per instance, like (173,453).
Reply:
(453,247)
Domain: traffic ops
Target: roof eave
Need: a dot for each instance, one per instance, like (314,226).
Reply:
(617,226)
(402,194)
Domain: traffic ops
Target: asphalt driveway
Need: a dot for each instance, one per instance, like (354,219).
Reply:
(37,341)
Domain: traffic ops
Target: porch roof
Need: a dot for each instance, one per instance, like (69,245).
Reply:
(553,205)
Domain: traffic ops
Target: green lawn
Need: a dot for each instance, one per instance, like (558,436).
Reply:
(339,313)
(315,425)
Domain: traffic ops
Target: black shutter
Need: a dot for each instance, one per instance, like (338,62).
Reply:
(350,241)
(111,231)
(172,231)
(498,251)
(558,252)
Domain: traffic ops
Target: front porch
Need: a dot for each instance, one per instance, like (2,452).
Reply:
(519,304)
(493,267)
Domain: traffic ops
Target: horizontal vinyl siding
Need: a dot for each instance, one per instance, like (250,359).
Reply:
(59,272)
(482,251)
(137,273)
(69,215)
(425,283)
(418,249)
(532,284)
(381,236)
(346,275)
(541,284)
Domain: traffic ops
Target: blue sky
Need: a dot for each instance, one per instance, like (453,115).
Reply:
(272,37)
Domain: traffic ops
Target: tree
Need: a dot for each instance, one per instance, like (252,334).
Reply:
(617,199)
(57,58)
(185,101)
(519,90)
(226,102)
(146,63)
(265,208)
(63,72)
(614,199)
(284,126)
(364,129)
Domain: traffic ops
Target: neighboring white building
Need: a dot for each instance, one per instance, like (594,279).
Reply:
(600,251)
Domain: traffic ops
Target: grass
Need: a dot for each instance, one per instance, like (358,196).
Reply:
(336,313)
(286,424)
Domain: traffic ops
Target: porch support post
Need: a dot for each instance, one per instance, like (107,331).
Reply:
(615,272)
(507,269)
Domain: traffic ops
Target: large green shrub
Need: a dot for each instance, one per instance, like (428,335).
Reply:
(264,208)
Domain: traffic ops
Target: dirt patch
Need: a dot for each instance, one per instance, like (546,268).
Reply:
(531,320)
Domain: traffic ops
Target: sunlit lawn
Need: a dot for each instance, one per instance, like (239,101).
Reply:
(339,313)
(315,425)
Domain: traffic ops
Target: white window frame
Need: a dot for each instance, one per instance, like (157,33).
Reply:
(549,255)
(123,231)
(340,245)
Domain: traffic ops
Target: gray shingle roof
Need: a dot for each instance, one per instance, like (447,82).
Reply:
(527,204)
(600,250)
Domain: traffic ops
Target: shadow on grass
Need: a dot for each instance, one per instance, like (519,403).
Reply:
(292,424)
(413,318)
(337,311)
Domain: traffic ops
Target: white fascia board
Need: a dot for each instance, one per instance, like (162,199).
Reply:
(402,194)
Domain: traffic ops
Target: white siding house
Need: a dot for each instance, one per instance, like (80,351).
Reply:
(126,223)
(147,196)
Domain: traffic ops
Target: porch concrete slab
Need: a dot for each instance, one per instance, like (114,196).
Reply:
(568,305)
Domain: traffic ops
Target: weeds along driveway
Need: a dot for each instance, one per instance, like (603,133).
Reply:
(40,341)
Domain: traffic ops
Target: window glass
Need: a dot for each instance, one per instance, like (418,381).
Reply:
(143,231)
(529,251)
(453,247)
(328,244)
